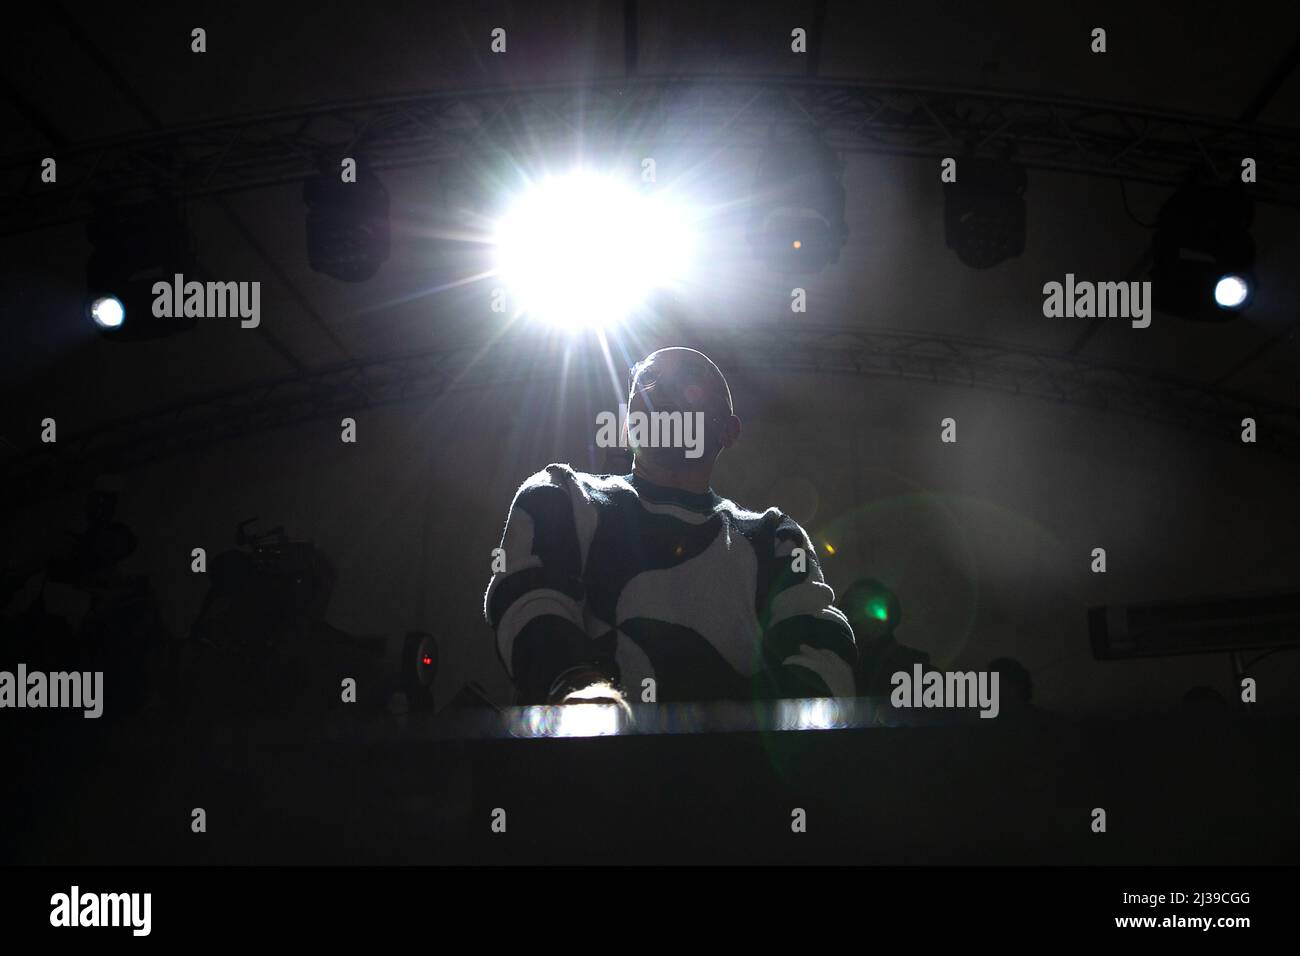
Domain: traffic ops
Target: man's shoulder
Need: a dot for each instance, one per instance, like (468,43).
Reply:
(771,519)
(570,481)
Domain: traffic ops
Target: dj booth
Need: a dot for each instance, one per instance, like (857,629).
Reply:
(785,781)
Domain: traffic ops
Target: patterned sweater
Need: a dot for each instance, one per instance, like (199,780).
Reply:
(642,581)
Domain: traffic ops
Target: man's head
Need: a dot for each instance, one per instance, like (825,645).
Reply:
(687,382)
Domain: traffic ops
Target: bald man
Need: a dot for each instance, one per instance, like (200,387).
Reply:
(652,586)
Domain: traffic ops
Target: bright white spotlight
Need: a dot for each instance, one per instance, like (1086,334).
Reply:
(1231,291)
(108,312)
(583,250)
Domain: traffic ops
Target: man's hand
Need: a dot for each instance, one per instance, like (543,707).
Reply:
(600,692)
(589,686)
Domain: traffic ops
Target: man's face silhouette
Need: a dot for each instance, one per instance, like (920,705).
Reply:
(689,394)
(660,387)
(681,381)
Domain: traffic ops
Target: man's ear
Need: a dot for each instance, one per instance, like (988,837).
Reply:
(730,432)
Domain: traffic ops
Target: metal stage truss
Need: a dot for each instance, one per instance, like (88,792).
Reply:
(350,387)
(645,113)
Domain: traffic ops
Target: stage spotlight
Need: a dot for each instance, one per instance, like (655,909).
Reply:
(984,212)
(797,206)
(1231,292)
(135,247)
(870,606)
(1202,255)
(107,311)
(347,224)
(585,250)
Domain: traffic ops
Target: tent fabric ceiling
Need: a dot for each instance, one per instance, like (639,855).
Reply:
(87,71)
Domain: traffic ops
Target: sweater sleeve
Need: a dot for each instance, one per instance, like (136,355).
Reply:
(808,639)
(535,604)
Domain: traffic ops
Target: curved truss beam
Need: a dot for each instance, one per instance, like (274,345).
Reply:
(942,360)
(251,152)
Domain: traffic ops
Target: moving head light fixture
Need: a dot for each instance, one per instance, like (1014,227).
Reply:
(797,205)
(984,211)
(348,234)
(1202,254)
(133,247)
